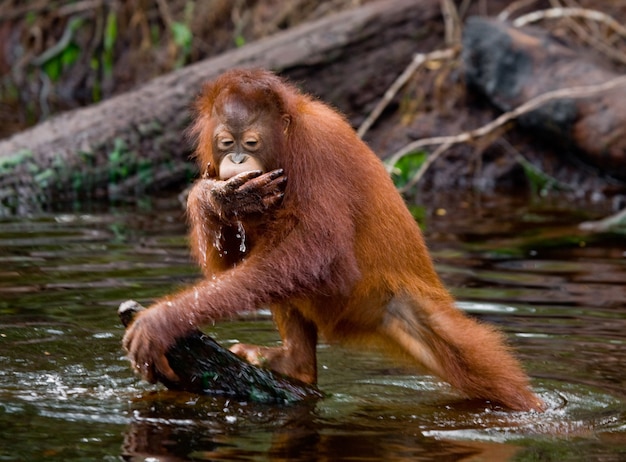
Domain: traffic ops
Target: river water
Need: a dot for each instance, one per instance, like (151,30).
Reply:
(67,392)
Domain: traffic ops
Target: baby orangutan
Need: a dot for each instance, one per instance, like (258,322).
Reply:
(296,213)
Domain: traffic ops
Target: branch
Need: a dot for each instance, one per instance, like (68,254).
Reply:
(605,224)
(530,105)
(425,166)
(513,7)
(567,12)
(418,60)
(564,12)
(452,22)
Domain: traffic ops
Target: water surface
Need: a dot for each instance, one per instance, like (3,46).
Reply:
(67,393)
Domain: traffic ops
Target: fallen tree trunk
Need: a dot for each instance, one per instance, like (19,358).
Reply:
(134,142)
(511,66)
(205,367)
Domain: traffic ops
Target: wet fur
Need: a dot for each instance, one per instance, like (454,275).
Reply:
(342,257)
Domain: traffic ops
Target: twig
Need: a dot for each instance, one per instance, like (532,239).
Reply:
(418,60)
(530,105)
(166,16)
(513,7)
(78,7)
(452,22)
(552,13)
(463,7)
(9,13)
(425,166)
(61,45)
(612,221)
(589,37)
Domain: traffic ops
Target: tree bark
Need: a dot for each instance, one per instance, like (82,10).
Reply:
(511,66)
(135,142)
(204,367)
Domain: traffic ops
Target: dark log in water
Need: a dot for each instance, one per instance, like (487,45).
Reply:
(205,367)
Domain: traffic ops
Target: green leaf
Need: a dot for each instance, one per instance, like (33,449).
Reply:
(110,32)
(7,163)
(540,182)
(31,18)
(240,41)
(182,35)
(44,178)
(407,167)
(70,55)
(52,68)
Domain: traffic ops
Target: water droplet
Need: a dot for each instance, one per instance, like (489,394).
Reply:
(242,237)
(217,242)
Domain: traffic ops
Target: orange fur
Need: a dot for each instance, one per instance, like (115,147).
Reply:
(340,255)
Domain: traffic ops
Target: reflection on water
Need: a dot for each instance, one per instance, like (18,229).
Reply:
(67,393)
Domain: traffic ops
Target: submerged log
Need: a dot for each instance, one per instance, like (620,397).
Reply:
(205,367)
(511,66)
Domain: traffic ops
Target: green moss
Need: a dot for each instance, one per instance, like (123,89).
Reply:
(10,162)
